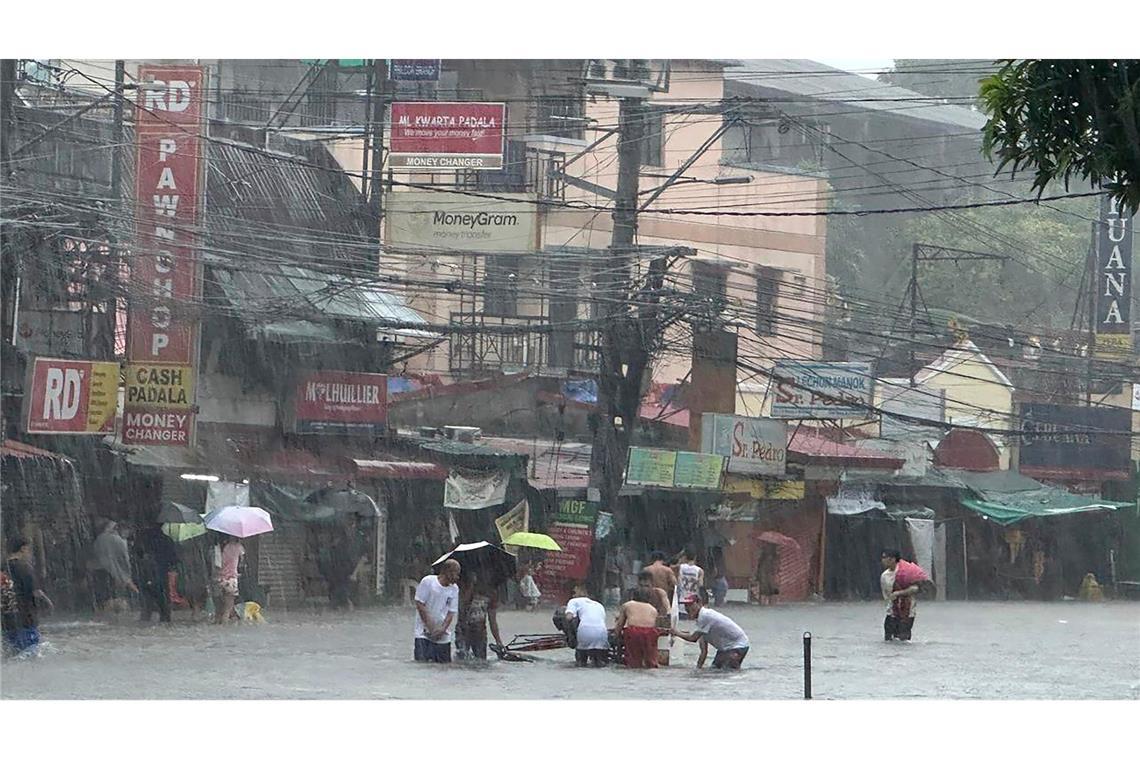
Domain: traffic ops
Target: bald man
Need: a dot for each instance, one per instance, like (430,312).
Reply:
(437,607)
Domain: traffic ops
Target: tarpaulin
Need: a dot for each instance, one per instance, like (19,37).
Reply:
(922,539)
(475,491)
(224,493)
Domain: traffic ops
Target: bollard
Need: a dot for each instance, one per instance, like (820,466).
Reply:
(807,665)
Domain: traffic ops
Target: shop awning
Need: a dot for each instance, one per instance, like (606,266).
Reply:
(1053,505)
(398,470)
(20,450)
(1009,497)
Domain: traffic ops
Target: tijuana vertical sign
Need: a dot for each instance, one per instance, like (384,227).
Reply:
(1114,281)
(162,340)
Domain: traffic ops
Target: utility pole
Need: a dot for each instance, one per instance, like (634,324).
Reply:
(621,365)
(376,128)
(9,265)
(1094,262)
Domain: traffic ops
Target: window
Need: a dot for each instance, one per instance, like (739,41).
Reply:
(710,284)
(767,293)
(561,116)
(653,138)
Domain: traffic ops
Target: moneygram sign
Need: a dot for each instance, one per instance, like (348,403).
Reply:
(352,403)
(425,219)
(430,136)
(168,186)
(68,397)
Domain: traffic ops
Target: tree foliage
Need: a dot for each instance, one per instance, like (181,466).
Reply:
(1066,118)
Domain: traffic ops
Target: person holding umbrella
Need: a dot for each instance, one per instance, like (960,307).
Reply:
(899,583)
(478,606)
(227,581)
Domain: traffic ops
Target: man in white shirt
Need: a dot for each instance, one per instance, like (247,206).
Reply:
(728,639)
(690,575)
(593,644)
(899,622)
(437,606)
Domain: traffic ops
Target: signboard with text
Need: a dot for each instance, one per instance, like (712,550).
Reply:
(414,70)
(434,135)
(1114,282)
(423,219)
(1076,442)
(164,267)
(822,390)
(651,467)
(754,446)
(70,397)
(340,403)
(696,470)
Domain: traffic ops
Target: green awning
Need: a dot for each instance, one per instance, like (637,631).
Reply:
(1044,503)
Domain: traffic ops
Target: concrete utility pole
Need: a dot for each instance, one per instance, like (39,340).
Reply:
(379,102)
(624,353)
(7,132)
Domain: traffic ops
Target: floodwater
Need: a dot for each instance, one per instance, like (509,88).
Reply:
(961,650)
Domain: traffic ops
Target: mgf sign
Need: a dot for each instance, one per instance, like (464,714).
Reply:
(353,403)
(1114,281)
(822,390)
(164,268)
(68,397)
(428,136)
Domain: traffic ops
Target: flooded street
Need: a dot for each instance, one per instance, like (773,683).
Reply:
(1063,650)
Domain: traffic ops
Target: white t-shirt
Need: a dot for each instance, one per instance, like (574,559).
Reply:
(887,582)
(689,579)
(719,630)
(592,633)
(439,600)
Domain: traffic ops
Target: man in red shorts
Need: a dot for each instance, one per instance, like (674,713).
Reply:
(637,626)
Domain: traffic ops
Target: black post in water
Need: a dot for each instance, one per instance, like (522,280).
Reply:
(807,665)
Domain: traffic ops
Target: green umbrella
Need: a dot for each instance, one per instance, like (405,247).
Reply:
(184,531)
(533,540)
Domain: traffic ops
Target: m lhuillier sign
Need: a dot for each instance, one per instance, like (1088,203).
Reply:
(354,403)
(434,135)
(1114,281)
(162,344)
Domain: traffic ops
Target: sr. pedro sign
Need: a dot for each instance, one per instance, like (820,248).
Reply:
(354,403)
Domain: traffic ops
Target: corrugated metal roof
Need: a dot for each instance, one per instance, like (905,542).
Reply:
(810,79)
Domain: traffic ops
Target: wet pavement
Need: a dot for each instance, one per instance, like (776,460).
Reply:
(961,650)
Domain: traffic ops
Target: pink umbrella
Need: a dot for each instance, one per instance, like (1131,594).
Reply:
(908,574)
(242,522)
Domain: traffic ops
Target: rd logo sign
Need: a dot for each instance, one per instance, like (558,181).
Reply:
(76,397)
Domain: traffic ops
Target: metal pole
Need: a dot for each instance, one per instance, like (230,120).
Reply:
(807,665)
(965,563)
(376,177)
(912,370)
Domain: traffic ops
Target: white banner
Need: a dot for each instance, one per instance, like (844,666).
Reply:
(922,537)
(478,492)
(226,494)
(428,220)
(753,445)
(822,390)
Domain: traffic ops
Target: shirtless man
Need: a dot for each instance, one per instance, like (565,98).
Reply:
(637,626)
(663,576)
(663,605)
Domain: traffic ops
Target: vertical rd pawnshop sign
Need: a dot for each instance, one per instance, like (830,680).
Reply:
(164,266)
(1114,282)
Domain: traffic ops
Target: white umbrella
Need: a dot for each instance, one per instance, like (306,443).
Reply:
(242,522)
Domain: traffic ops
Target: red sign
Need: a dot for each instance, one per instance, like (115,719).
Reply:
(447,135)
(559,570)
(341,402)
(164,267)
(158,426)
(76,397)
